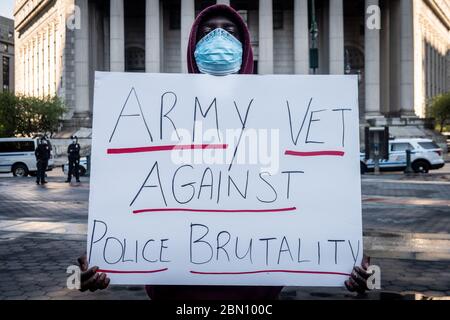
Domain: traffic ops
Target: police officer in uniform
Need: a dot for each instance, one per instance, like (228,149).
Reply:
(73,153)
(42,154)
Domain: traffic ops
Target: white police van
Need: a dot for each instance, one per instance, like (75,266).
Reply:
(17,156)
(425,155)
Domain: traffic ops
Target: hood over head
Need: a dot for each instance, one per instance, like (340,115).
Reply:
(233,15)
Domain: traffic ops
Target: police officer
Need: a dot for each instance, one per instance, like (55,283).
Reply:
(42,154)
(73,153)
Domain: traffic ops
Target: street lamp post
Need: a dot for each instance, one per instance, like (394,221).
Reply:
(314,32)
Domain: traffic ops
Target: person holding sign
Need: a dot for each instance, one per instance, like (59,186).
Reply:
(219,45)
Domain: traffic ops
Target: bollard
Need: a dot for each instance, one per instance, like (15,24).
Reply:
(88,160)
(376,160)
(408,168)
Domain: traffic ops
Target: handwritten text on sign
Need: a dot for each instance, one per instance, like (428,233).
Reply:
(237,180)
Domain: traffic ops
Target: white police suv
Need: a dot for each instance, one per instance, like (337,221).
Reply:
(425,155)
(83,167)
(17,156)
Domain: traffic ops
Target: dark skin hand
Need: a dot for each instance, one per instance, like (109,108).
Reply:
(93,281)
(358,279)
(90,279)
(218,22)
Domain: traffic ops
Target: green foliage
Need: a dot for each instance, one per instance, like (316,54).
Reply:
(8,114)
(28,116)
(440,109)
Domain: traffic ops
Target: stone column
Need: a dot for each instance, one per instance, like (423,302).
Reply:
(187,19)
(265,62)
(301,37)
(442,70)
(436,68)
(28,72)
(58,61)
(117,36)
(227,2)
(51,66)
(372,65)
(41,65)
(440,67)
(336,36)
(46,67)
(25,74)
(33,68)
(82,63)
(152,32)
(406,58)
(36,67)
(52,60)
(385,57)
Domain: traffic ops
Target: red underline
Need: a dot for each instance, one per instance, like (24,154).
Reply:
(131,271)
(166,148)
(272,271)
(315,153)
(214,210)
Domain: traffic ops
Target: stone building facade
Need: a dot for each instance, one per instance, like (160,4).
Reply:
(401,65)
(6,54)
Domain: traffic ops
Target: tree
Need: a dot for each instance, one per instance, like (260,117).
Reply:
(8,114)
(440,109)
(28,116)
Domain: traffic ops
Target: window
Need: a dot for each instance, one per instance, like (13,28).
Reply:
(5,66)
(17,146)
(135,59)
(278,19)
(354,59)
(401,147)
(25,146)
(6,147)
(174,19)
(428,145)
(244,15)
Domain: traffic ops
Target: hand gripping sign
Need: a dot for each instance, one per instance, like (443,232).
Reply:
(237,180)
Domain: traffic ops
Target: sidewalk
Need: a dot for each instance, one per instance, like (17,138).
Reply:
(406,225)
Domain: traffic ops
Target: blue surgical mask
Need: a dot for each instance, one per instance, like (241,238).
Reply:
(219,53)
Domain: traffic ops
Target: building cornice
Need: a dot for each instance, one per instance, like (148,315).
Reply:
(443,14)
(19,5)
(24,15)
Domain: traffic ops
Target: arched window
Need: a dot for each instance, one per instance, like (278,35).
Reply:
(354,60)
(354,64)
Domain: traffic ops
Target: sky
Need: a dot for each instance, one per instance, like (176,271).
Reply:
(6,8)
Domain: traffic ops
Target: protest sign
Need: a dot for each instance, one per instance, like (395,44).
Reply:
(236,180)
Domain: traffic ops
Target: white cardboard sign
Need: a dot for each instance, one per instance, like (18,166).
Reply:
(236,180)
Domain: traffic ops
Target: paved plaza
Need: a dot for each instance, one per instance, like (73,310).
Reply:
(406,224)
